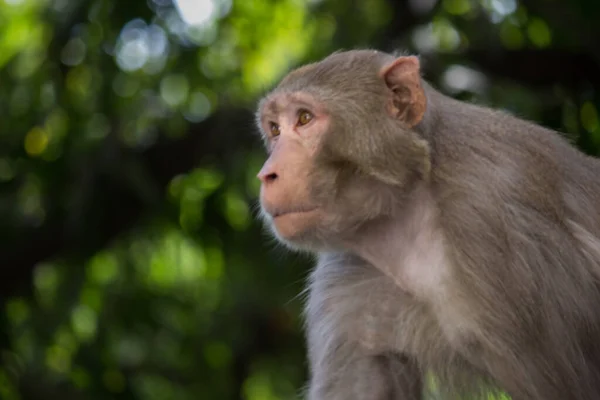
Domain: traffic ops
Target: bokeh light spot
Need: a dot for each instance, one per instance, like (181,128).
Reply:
(174,89)
(84,322)
(36,141)
(539,32)
(196,12)
(589,117)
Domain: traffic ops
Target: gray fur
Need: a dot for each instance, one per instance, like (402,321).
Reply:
(467,247)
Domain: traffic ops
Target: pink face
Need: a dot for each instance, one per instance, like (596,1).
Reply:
(293,125)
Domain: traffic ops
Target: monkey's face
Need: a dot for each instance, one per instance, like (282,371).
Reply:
(293,125)
(312,194)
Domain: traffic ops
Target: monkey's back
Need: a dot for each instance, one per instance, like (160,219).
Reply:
(501,157)
(520,208)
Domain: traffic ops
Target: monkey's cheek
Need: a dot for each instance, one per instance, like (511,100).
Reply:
(293,225)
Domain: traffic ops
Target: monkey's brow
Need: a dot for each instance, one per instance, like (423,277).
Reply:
(278,104)
(272,107)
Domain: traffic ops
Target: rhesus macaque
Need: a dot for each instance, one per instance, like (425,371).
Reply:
(454,241)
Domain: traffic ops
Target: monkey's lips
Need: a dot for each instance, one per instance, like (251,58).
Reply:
(282,213)
(294,222)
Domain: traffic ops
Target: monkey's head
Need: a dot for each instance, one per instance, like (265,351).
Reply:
(342,148)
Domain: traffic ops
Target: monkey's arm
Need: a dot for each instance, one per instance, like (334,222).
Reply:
(351,328)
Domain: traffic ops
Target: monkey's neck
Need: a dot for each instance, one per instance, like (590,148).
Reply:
(407,247)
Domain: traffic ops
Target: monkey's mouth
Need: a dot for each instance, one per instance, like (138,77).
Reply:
(297,211)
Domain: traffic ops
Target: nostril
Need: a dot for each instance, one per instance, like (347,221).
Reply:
(269,178)
(267,173)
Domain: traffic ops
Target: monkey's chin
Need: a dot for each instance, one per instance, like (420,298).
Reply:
(295,225)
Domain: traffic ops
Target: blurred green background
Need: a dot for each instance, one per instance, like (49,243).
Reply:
(132,266)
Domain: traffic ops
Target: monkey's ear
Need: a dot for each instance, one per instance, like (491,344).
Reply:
(408,101)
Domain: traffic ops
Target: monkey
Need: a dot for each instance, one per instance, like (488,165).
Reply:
(457,246)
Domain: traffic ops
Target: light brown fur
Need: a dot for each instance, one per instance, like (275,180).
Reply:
(452,239)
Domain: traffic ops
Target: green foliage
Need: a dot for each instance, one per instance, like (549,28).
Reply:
(135,266)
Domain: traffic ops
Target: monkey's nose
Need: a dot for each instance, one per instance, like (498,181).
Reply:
(266,176)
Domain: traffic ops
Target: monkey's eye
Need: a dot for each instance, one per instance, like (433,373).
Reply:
(304,117)
(274,128)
